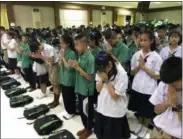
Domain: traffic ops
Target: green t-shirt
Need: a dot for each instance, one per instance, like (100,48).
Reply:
(67,76)
(132,49)
(87,62)
(26,62)
(19,56)
(120,51)
(95,51)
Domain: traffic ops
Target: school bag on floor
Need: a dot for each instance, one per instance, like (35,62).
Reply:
(4,78)
(63,134)
(35,112)
(15,92)
(3,73)
(12,83)
(20,101)
(47,124)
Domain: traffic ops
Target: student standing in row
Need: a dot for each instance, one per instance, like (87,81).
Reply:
(26,62)
(12,54)
(119,49)
(84,86)
(167,99)
(145,66)
(67,75)
(174,48)
(111,83)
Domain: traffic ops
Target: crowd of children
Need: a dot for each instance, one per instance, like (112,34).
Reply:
(96,66)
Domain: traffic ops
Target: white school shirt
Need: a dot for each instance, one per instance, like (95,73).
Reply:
(4,38)
(168,121)
(142,82)
(12,44)
(50,51)
(109,107)
(166,51)
(39,69)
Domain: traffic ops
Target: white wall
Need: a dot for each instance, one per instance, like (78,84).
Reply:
(68,18)
(172,16)
(98,18)
(24,18)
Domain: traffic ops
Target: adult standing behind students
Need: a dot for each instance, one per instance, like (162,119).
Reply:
(145,66)
(4,40)
(167,99)
(174,48)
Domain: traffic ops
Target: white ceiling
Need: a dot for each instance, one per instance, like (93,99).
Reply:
(134,4)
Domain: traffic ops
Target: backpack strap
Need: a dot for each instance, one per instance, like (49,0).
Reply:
(30,123)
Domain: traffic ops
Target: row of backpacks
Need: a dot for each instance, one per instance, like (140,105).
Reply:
(44,125)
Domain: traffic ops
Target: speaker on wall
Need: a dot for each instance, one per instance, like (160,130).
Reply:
(128,18)
(143,6)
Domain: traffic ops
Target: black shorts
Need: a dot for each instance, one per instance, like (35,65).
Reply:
(43,79)
(12,62)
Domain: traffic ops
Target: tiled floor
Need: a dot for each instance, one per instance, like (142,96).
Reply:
(12,127)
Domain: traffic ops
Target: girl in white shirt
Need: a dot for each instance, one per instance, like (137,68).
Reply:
(145,66)
(174,49)
(111,83)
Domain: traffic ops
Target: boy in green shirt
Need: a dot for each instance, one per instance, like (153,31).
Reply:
(119,49)
(84,86)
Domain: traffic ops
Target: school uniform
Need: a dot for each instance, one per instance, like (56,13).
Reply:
(163,43)
(95,52)
(120,51)
(27,65)
(143,85)
(53,69)
(110,118)
(166,52)
(84,88)
(67,83)
(167,123)
(4,38)
(12,55)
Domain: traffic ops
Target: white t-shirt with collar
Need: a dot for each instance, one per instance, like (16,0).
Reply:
(50,51)
(142,82)
(168,121)
(12,44)
(109,107)
(166,51)
(4,39)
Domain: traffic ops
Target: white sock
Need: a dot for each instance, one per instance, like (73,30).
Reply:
(42,95)
(68,116)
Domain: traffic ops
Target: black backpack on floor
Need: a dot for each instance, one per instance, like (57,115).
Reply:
(63,134)
(47,124)
(35,112)
(4,78)
(3,73)
(20,101)
(12,83)
(15,92)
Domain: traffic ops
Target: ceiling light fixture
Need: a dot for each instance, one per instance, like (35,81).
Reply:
(157,2)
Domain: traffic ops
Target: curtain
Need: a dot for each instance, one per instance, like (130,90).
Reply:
(4,16)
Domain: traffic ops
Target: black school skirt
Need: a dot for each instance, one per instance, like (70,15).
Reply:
(12,62)
(43,79)
(111,128)
(140,104)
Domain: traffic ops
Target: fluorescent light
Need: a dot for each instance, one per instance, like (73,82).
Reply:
(157,2)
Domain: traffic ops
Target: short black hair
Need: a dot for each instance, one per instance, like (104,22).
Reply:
(178,33)
(2,28)
(34,46)
(171,70)
(162,27)
(81,37)
(109,34)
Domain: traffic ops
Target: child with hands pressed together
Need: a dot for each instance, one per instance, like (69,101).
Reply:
(167,99)
(84,86)
(145,66)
